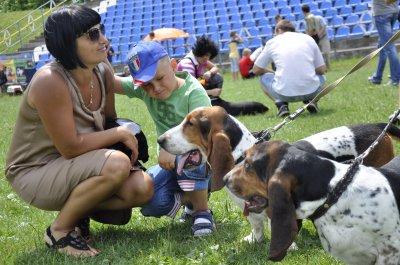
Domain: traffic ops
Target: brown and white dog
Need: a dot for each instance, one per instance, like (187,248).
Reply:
(362,227)
(213,136)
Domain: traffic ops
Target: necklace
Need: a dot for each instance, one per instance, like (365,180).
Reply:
(91,94)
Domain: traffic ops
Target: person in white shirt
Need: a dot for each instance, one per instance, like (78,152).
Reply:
(299,68)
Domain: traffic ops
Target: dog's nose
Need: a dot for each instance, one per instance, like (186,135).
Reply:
(161,140)
(226,179)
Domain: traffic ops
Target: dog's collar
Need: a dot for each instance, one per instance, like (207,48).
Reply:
(262,136)
(240,159)
(334,195)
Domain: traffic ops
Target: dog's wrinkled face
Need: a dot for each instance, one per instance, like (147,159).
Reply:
(259,181)
(192,133)
(249,179)
(204,135)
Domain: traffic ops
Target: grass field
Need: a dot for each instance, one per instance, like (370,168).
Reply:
(164,241)
(25,30)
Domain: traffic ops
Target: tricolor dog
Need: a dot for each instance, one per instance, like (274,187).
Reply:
(210,134)
(362,227)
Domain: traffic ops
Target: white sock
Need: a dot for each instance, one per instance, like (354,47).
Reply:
(188,210)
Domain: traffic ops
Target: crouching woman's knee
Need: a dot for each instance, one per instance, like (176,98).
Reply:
(116,168)
(142,188)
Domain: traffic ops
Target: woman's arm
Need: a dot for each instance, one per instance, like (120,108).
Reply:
(110,111)
(212,70)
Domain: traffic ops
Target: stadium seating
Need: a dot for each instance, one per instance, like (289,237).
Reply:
(255,43)
(357,31)
(345,11)
(325,5)
(337,21)
(361,8)
(330,12)
(342,33)
(339,3)
(128,21)
(351,20)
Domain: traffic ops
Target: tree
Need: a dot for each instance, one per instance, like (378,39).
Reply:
(15,5)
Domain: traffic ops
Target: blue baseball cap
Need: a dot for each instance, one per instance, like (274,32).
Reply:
(142,60)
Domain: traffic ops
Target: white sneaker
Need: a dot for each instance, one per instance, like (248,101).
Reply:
(186,214)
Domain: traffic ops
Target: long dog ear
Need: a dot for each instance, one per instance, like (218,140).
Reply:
(283,216)
(220,159)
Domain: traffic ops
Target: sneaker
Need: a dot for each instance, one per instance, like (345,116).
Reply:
(313,108)
(283,111)
(186,215)
(391,83)
(372,80)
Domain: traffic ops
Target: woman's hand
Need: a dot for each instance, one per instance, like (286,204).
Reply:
(130,141)
(166,160)
(207,75)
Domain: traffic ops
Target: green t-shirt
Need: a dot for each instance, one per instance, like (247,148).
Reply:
(170,112)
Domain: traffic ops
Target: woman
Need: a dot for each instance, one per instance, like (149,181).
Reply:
(234,55)
(58,158)
(198,64)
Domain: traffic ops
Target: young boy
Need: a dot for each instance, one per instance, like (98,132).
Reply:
(246,64)
(169,97)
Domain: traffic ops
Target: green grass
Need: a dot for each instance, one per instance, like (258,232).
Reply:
(163,241)
(25,30)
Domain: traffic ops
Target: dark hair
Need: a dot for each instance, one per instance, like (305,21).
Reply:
(61,30)
(305,8)
(152,34)
(285,25)
(204,45)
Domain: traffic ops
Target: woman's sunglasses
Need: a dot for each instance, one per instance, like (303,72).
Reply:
(93,34)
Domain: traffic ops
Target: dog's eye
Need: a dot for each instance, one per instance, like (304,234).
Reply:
(246,165)
(188,123)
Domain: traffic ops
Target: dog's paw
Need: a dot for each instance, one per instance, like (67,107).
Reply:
(251,238)
(293,247)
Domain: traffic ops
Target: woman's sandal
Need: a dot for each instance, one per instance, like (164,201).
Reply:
(83,229)
(202,229)
(72,239)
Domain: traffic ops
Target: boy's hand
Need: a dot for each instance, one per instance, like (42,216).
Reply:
(166,160)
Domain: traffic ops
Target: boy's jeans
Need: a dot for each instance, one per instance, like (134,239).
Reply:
(168,188)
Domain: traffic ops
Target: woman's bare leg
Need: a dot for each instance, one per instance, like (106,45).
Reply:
(93,192)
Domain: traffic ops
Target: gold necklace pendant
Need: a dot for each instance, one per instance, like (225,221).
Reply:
(91,94)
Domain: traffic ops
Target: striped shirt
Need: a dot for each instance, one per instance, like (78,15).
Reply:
(190,65)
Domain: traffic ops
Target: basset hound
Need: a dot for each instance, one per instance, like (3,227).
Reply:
(362,227)
(211,135)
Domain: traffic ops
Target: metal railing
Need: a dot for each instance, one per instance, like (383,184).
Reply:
(32,24)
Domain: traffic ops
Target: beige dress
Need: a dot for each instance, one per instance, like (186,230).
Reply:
(35,168)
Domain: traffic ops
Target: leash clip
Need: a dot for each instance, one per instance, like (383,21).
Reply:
(296,113)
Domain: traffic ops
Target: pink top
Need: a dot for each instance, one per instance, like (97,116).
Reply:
(191,65)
